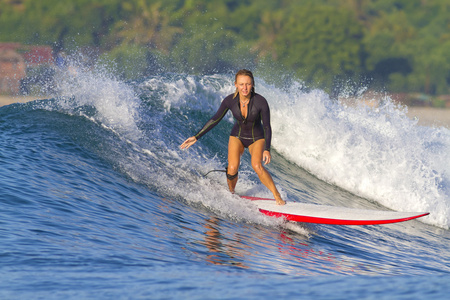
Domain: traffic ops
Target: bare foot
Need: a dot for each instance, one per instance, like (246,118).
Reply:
(280,201)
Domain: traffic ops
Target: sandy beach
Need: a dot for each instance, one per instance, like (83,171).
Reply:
(427,116)
(6,100)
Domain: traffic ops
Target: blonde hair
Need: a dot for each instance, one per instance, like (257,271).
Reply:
(244,72)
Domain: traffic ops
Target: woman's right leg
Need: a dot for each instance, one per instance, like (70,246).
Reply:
(235,151)
(256,151)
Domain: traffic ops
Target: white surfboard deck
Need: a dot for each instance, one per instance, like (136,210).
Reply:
(325,214)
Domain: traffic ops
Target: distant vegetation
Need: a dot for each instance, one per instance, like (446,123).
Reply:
(402,45)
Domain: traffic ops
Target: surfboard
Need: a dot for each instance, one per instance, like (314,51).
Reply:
(332,215)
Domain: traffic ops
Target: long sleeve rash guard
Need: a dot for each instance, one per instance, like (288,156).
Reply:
(254,127)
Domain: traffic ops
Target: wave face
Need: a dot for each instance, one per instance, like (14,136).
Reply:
(93,182)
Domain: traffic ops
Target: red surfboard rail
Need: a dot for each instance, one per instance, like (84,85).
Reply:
(315,214)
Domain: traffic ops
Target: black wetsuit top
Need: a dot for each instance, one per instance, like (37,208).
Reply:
(249,129)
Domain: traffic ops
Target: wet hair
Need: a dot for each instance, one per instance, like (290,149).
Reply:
(244,72)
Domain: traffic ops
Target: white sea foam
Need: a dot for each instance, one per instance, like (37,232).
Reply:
(115,103)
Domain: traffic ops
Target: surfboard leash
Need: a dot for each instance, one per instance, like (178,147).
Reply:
(224,171)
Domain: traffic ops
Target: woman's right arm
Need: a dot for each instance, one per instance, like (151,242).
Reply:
(189,142)
(221,112)
(218,116)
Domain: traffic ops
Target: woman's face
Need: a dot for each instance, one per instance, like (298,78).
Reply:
(244,85)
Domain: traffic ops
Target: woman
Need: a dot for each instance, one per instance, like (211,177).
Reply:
(252,130)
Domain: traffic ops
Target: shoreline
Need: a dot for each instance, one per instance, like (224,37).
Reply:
(427,116)
(7,100)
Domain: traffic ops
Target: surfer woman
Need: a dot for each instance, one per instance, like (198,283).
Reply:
(249,109)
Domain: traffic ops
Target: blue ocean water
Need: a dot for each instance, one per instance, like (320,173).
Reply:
(98,202)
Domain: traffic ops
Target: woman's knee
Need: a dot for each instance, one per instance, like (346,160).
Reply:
(258,167)
(232,169)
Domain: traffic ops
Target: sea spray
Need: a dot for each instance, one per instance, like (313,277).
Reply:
(95,93)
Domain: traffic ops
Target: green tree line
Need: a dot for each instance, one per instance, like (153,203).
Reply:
(402,45)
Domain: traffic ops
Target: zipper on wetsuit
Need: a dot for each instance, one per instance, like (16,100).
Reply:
(244,120)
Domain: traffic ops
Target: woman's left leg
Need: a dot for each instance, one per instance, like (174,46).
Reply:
(256,151)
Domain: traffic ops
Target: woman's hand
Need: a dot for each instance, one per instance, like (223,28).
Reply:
(266,157)
(189,142)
